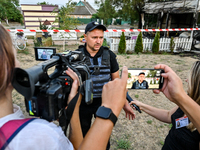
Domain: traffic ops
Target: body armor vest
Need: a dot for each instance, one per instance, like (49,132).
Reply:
(100,73)
(141,86)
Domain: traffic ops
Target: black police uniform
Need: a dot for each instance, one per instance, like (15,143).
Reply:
(101,66)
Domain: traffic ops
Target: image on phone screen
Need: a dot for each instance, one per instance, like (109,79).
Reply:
(144,79)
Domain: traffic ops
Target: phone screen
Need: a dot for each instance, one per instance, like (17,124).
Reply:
(145,79)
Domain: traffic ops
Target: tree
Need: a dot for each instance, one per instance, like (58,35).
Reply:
(139,44)
(9,11)
(129,75)
(95,16)
(156,43)
(152,73)
(106,10)
(64,19)
(130,10)
(43,3)
(122,44)
(172,45)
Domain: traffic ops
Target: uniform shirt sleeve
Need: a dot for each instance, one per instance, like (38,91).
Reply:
(147,86)
(134,85)
(113,62)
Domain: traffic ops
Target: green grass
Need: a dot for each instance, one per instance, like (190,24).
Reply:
(136,96)
(123,144)
(149,121)
(161,142)
(170,125)
(23,51)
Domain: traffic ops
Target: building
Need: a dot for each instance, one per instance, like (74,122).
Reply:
(83,12)
(173,14)
(33,14)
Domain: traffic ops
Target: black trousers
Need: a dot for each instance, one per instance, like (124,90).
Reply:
(86,113)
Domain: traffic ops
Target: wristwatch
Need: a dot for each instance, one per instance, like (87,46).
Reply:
(106,113)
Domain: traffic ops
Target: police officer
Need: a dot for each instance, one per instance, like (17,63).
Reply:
(140,83)
(103,68)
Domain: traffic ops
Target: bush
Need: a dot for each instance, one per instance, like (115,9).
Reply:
(172,44)
(139,44)
(104,42)
(122,44)
(37,42)
(154,81)
(47,41)
(155,47)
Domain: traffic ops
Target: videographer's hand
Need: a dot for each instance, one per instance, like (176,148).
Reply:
(114,93)
(75,84)
(173,87)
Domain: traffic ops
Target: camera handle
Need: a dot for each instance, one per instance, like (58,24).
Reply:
(130,99)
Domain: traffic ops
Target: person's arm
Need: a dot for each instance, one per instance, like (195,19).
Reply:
(75,132)
(147,86)
(173,90)
(128,110)
(133,86)
(114,92)
(160,114)
(190,108)
(115,75)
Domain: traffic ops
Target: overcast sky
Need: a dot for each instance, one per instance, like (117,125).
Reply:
(58,2)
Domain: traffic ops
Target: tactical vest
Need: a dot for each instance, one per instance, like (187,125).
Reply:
(100,74)
(141,86)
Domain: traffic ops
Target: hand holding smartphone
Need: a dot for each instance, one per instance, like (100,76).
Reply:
(142,79)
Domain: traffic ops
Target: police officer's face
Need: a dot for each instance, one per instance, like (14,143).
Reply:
(94,39)
(141,78)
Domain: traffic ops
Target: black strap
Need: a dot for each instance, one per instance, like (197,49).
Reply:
(70,109)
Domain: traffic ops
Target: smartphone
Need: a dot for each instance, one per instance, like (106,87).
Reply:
(143,79)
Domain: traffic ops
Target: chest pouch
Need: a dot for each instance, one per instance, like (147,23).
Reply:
(96,70)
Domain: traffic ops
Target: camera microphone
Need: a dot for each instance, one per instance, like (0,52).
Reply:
(130,99)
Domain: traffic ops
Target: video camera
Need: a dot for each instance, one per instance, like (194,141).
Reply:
(46,95)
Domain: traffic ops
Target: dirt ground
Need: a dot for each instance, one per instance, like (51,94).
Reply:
(145,132)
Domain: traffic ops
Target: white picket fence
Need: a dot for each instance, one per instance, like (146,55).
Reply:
(64,36)
(180,44)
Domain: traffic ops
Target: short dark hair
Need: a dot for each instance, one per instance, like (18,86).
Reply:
(141,73)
